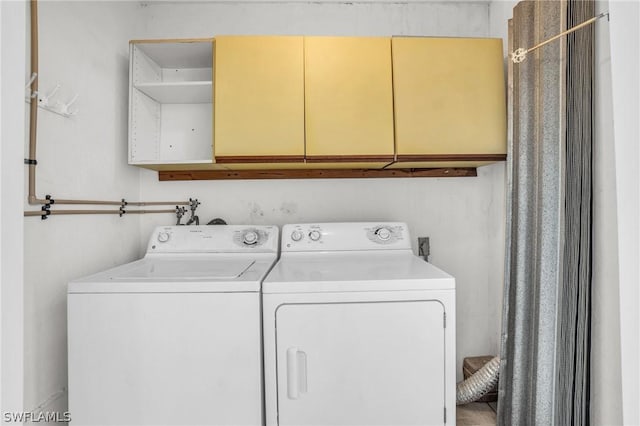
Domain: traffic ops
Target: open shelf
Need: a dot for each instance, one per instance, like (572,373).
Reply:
(171,102)
(181,92)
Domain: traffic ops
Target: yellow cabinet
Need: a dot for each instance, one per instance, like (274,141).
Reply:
(348,100)
(449,99)
(294,102)
(258,99)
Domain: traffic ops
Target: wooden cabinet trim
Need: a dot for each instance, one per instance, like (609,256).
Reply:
(313,174)
(260,159)
(452,157)
(348,158)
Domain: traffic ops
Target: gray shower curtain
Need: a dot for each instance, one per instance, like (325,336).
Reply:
(544,376)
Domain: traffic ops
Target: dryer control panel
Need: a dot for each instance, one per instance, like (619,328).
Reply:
(345,236)
(214,239)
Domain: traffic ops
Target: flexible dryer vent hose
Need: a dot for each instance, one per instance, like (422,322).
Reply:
(481,382)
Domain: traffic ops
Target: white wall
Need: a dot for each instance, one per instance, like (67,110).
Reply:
(625,69)
(84,47)
(163,19)
(500,11)
(12,58)
(606,402)
(463,216)
(499,14)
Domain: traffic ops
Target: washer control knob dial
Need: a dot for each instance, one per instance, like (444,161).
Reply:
(250,238)
(296,235)
(315,235)
(383,234)
(163,237)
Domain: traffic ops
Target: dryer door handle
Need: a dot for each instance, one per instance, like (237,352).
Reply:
(296,372)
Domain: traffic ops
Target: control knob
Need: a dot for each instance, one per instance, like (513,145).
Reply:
(315,235)
(296,235)
(383,234)
(250,238)
(163,237)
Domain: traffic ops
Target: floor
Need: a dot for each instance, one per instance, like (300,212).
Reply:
(476,414)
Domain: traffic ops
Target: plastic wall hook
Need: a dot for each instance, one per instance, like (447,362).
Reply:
(44,101)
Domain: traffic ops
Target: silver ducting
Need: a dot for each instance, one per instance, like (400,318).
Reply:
(481,382)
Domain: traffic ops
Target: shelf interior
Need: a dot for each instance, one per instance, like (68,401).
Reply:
(197,54)
(184,92)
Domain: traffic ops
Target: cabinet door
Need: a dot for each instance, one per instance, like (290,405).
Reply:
(258,99)
(348,99)
(378,363)
(449,96)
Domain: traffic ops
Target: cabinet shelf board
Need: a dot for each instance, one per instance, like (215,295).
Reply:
(183,92)
(188,53)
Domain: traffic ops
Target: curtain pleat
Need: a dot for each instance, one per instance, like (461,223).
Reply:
(574,316)
(544,377)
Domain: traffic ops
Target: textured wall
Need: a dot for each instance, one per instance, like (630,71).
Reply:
(606,388)
(12,128)
(624,31)
(83,47)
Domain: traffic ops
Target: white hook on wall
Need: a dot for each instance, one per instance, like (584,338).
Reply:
(46,101)
(63,108)
(31,94)
(43,101)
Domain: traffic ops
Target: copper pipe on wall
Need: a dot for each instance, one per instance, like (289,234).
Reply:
(67,212)
(33,107)
(31,161)
(158,203)
(119,203)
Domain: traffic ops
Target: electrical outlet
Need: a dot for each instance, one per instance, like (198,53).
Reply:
(423,248)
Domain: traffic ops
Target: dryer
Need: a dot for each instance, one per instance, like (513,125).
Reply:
(175,337)
(357,330)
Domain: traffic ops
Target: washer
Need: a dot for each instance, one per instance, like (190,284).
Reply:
(173,338)
(357,330)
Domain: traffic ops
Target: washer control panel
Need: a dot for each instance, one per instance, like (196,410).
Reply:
(345,236)
(213,239)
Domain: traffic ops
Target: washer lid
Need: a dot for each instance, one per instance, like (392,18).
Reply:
(354,271)
(183,270)
(180,274)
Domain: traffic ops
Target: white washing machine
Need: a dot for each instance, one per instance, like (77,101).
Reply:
(173,338)
(357,330)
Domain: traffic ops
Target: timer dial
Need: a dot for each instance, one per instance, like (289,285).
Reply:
(383,234)
(250,238)
(315,235)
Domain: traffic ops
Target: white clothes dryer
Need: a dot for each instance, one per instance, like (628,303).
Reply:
(173,338)
(357,330)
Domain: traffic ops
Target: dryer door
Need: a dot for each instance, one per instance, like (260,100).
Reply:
(366,363)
